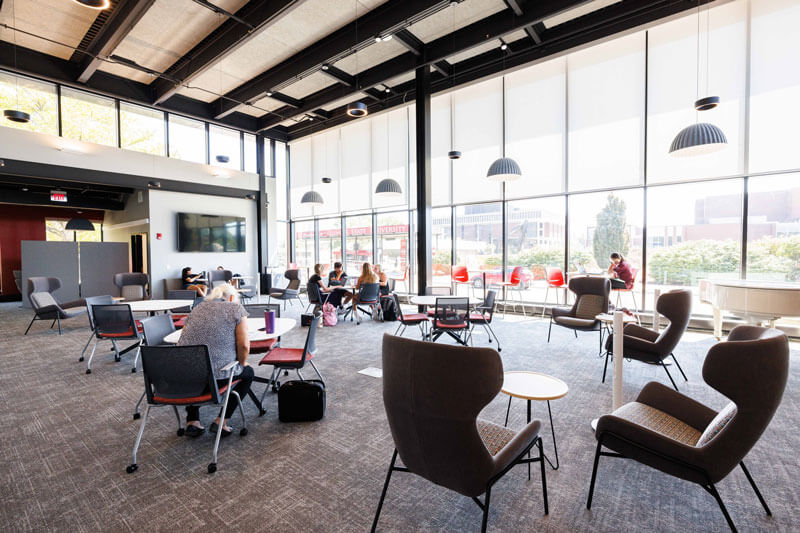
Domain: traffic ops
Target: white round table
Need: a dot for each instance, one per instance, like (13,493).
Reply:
(430,300)
(534,386)
(254,331)
(152,306)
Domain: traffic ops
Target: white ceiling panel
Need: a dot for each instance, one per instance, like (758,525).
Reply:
(480,49)
(168,30)
(344,101)
(577,12)
(370,56)
(400,79)
(515,36)
(441,23)
(65,22)
(260,107)
(305,86)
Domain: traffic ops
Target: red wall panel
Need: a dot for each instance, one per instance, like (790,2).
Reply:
(26,223)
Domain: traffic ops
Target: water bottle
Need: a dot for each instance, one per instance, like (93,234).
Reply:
(269,321)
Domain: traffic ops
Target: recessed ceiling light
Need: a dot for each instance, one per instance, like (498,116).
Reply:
(504,46)
(378,39)
(387,37)
(94,4)
(269,93)
(24,189)
(325,66)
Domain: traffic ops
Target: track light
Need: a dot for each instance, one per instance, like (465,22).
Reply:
(94,4)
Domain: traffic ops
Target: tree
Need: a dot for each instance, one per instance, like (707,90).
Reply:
(611,233)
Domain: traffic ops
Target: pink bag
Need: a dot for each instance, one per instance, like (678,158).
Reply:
(329,317)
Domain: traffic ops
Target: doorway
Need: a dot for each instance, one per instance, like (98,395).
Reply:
(139,252)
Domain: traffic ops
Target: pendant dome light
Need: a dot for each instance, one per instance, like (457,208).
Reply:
(357,109)
(16,115)
(701,137)
(79,224)
(387,187)
(505,168)
(453,154)
(312,198)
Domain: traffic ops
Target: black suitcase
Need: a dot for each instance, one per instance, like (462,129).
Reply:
(301,401)
(388,310)
(305,319)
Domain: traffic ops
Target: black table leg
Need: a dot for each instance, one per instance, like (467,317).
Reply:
(507,410)
(529,452)
(553,432)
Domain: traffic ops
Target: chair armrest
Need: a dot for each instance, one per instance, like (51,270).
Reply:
(229,366)
(639,345)
(676,404)
(291,292)
(517,445)
(649,440)
(52,308)
(561,311)
(635,330)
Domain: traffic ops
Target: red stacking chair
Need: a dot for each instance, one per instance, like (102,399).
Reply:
(115,323)
(632,291)
(460,276)
(555,280)
(513,284)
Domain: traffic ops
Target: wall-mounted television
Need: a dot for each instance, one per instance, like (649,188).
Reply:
(210,233)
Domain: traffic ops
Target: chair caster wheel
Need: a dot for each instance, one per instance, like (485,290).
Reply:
(117,359)
(137,416)
(499,349)
(262,412)
(181,431)
(132,468)
(80,360)
(243,432)
(88,370)
(133,370)
(285,372)
(212,467)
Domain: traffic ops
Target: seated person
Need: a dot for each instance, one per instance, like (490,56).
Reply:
(334,296)
(337,276)
(221,324)
(383,281)
(621,271)
(190,282)
(234,282)
(367,276)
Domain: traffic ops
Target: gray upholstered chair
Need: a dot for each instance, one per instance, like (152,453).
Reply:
(291,291)
(433,416)
(591,299)
(46,307)
(132,285)
(218,277)
(648,346)
(683,438)
(18,279)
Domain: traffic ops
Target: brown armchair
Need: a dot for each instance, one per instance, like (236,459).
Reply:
(591,299)
(648,346)
(674,434)
(432,413)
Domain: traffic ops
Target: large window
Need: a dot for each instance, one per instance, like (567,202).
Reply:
(281,182)
(441,244)
(393,243)
(693,232)
(141,129)
(330,241)
(280,260)
(251,155)
(88,117)
(56,230)
(225,147)
(441,123)
(356,156)
(773,228)
(187,139)
(479,242)
(36,98)
(359,243)
(535,241)
(606,114)
(304,250)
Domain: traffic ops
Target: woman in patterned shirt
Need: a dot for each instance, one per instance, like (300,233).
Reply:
(220,322)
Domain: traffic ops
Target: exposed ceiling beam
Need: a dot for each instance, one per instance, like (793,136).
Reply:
(598,25)
(417,47)
(230,35)
(338,75)
(389,17)
(475,34)
(518,7)
(286,99)
(122,20)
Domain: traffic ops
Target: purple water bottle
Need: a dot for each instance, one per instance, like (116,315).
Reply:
(269,321)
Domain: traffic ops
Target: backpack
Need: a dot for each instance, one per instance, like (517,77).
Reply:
(388,310)
(329,317)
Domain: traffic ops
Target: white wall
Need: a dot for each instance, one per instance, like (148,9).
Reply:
(165,259)
(41,148)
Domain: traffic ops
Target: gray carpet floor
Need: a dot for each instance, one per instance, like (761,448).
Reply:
(66,438)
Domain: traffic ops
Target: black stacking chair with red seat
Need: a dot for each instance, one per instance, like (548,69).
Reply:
(413,319)
(183,375)
(292,358)
(437,291)
(154,329)
(451,316)
(90,301)
(483,317)
(115,323)
(257,311)
(369,295)
(179,314)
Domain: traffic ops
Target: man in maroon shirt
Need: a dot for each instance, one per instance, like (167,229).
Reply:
(621,269)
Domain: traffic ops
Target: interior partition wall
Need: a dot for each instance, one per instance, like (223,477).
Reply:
(591,131)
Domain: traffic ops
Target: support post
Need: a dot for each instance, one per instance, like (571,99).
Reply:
(616,398)
(261,211)
(423,175)
(656,317)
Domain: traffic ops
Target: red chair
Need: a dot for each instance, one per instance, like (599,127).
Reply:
(555,280)
(403,280)
(292,358)
(452,317)
(459,276)
(513,284)
(632,291)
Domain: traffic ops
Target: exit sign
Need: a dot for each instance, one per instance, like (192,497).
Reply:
(58,196)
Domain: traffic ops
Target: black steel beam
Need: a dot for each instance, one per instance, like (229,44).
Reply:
(121,21)
(338,75)
(410,41)
(14,195)
(475,34)
(603,23)
(286,99)
(386,18)
(423,177)
(53,69)
(230,35)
